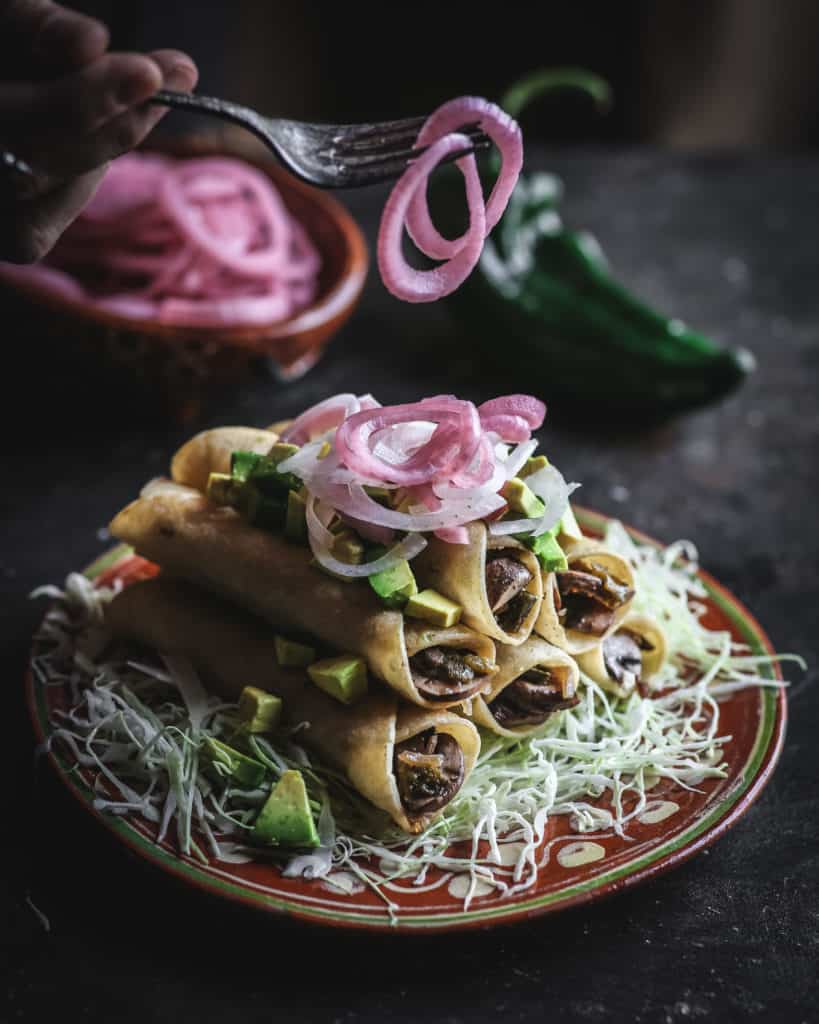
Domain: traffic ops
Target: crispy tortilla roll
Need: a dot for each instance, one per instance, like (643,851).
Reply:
(407,761)
(584,605)
(496,581)
(179,529)
(534,680)
(628,657)
(210,451)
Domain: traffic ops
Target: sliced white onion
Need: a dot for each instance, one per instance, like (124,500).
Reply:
(549,485)
(302,462)
(317,524)
(452,513)
(395,444)
(343,490)
(321,542)
(518,457)
(503,470)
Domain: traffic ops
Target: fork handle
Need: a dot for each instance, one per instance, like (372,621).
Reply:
(196,102)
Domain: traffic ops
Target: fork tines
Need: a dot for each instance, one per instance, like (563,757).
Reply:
(363,149)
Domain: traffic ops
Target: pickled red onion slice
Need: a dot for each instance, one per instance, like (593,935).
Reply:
(427,285)
(450,449)
(549,485)
(453,534)
(320,418)
(232,248)
(407,205)
(504,132)
(442,452)
(205,242)
(531,409)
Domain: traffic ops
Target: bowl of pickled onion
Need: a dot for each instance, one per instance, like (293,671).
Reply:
(190,263)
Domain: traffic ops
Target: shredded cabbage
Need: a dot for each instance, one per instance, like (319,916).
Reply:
(139,726)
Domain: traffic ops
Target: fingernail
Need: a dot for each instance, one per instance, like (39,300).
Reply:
(132,89)
(183,69)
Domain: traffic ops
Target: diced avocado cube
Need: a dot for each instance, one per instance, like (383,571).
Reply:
(348,547)
(243,463)
(394,585)
(295,523)
(398,599)
(281,451)
(289,654)
(433,607)
(285,818)
(224,490)
(278,453)
(263,510)
(244,770)
(569,527)
(402,500)
(263,471)
(548,552)
(380,494)
(344,677)
(245,492)
(533,465)
(259,710)
(520,498)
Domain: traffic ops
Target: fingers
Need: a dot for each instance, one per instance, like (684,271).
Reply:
(69,128)
(126,131)
(37,36)
(97,123)
(31,229)
(178,73)
(79,103)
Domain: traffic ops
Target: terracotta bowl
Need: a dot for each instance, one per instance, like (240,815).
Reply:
(182,364)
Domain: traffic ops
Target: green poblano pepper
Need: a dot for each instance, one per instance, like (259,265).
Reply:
(546,293)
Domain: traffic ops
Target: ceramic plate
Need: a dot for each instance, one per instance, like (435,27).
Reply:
(674,825)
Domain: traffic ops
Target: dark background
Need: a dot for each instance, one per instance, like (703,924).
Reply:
(686,73)
(697,220)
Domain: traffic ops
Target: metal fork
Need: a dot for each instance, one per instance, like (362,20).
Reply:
(327,155)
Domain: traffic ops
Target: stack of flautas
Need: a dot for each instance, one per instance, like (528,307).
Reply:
(525,638)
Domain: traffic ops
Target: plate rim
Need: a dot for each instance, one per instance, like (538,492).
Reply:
(757,771)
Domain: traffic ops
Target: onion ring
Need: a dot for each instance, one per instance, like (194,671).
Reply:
(504,132)
(427,285)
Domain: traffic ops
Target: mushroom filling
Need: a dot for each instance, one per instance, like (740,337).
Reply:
(429,771)
(449,673)
(531,698)
(622,657)
(588,597)
(506,582)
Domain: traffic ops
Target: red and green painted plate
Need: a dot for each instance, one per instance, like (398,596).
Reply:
(675,824)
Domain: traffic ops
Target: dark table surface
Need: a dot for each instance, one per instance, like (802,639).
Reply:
(727,243)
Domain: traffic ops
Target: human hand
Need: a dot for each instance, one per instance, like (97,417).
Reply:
(68,107)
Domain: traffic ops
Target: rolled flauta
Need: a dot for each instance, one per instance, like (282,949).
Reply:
(476,575)
(232,649)
(177,528)
(561,614)
(464,573)
(628,657)
(210,451)
(518,706)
